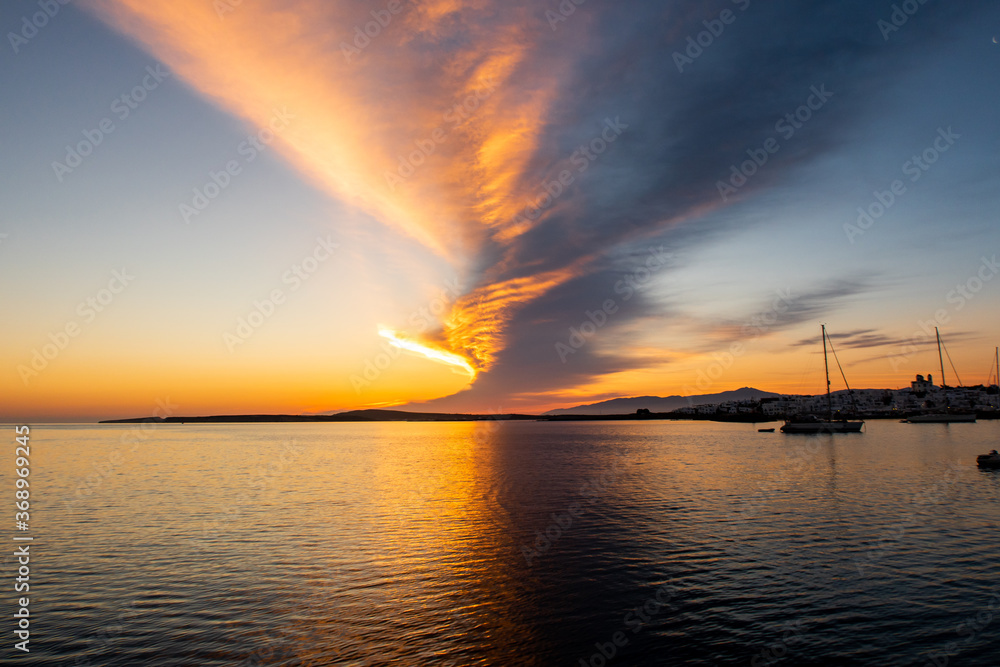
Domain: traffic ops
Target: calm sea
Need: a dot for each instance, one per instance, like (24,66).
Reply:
(641,543)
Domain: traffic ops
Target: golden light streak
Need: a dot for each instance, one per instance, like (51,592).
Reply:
(353,139)
(432,353)
(478,321)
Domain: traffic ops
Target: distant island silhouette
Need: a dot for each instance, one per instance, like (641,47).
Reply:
(618,408)
(352,416)
(659,404)
(740,405)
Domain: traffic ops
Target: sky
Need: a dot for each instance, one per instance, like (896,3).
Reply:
(306,206)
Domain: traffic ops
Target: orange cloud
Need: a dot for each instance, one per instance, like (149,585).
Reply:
(429,134)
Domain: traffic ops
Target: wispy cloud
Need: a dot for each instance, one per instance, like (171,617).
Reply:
(510,107)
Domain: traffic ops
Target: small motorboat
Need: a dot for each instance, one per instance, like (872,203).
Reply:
(765,430)
(991,460)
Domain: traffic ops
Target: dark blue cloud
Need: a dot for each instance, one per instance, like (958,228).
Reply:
(658,182)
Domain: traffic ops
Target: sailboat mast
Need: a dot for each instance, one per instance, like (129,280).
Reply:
(826,366)
(996,356)
(940,358)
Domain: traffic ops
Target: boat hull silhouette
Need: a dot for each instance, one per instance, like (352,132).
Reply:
(991,460)
(941,418)
(820,426)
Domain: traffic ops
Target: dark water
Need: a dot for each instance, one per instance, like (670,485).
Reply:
(425,544)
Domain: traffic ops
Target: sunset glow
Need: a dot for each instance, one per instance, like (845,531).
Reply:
(538,208)
(500,332)
(428,351)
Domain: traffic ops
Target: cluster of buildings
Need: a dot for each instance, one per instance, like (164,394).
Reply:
(922,395)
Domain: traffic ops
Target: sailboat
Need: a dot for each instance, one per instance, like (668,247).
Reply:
(996,360)
(813,424)
(949,416)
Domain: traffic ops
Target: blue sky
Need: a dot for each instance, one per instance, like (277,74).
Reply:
(543,92)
